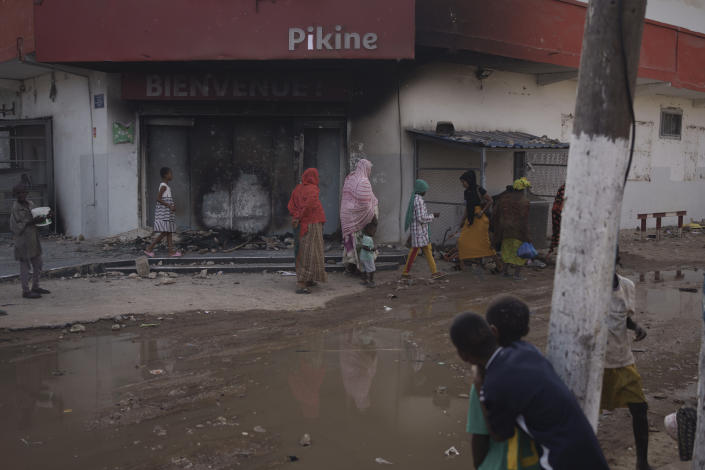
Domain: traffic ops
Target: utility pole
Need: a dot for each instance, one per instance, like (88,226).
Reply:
(597,166)
(699,453)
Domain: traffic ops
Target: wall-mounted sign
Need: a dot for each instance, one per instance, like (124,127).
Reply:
(99,101)
(224,30)
(234,86)
(123,132)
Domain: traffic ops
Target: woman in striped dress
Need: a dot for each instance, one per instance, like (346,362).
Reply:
(164,215)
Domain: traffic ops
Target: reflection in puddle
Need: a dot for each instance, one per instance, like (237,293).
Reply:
(362,394)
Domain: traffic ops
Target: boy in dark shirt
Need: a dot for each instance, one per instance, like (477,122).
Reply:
(520,387)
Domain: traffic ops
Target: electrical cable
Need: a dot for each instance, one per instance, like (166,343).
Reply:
(630,101)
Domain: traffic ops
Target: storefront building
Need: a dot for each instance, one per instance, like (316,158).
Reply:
(239,97)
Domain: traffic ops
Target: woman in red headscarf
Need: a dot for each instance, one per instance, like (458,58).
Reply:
(308,219)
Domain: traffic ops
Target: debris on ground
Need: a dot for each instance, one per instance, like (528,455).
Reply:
(305,440)
(688,289)
(387,309)
(259,429)
(166,281)
(142,266)
(148,325)
(116,326)
(157,371)
(452,452)
(382,461)
(77,328)
(293,458)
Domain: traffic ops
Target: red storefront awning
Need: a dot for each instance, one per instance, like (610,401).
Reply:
(188,30)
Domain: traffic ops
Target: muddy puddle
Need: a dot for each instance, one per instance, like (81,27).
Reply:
(121,402)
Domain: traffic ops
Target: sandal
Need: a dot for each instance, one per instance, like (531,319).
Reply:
(149,253)
(176,254)
(304,290)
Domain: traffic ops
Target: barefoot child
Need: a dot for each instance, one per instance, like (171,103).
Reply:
(367,254)
(164,215)
(508,318)
(519,388)
(417,220)
(621,384)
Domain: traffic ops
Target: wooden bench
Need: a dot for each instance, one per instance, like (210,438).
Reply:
(658,216)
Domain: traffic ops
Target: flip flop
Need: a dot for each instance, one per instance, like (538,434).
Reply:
(303,291)
(149,253)
(176,254)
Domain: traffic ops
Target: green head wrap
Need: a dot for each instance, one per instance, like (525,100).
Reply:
(420,186)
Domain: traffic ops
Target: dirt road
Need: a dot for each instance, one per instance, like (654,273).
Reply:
(369,376)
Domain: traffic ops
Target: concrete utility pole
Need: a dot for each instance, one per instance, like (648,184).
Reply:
(597,165)
(699,453)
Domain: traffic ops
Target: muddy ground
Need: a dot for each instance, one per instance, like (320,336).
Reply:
(368,376)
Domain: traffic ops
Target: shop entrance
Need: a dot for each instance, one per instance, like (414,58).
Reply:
(238,173)
(25,156)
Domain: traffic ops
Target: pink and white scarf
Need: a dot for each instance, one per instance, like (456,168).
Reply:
(357,208)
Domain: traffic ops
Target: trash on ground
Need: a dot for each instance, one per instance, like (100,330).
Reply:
(452,452)
(156,371)
(68,410)
(77,328)
(142,266)
(382,461)
(259,429)
(305,440)
(148,325)
(293,458)
(286,273)
(387,309)
(116,326)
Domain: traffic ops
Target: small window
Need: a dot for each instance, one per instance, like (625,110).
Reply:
(671,123)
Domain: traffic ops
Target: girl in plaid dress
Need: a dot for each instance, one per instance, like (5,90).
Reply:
(164,215)
(417,220)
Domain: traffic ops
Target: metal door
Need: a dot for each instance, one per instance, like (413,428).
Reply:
(26,155)
(323,151)
(167,146)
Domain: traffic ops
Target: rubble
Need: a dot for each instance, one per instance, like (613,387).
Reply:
(305,440)
(142,266)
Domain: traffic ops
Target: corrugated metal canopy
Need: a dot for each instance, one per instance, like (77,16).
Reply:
(494,139)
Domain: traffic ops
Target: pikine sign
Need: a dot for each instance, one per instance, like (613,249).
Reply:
(318,38)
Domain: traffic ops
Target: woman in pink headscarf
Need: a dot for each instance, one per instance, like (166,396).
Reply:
(357,209)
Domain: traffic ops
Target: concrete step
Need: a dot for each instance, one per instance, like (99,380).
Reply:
(240,268)
(242,260)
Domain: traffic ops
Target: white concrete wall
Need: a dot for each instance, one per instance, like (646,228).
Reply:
(670,173)
(689,14)
(96,185)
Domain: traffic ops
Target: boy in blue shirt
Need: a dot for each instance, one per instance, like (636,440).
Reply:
(518,387)
(509,324)
(368,255)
